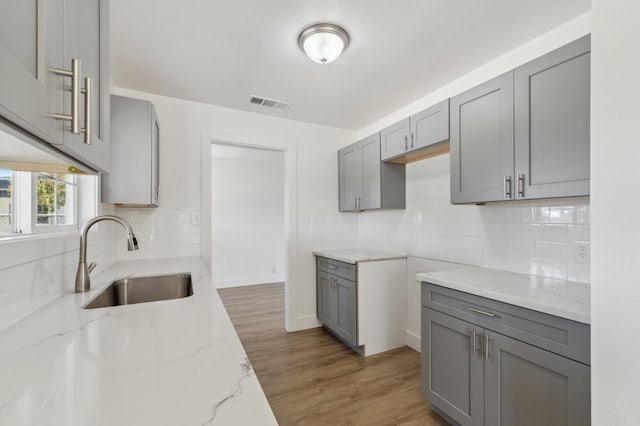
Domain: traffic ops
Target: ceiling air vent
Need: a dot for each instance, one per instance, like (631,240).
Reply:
(269,103)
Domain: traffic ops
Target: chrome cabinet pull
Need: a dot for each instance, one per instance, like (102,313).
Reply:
(507,187)
(521,185)
(478,311)
(75,94)
(331,267)
(88,88)
(406,142)
(486,347)
(411,140)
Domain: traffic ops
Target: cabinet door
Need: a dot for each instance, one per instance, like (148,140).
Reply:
(349,176)
(452,367)
(481,142)
(430,126)
(346,312)
(85,31)
(552,99)
(326,305)
(31,43)
(395,139)
(371,196)
(526,385)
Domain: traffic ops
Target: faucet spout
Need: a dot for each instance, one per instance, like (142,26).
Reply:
(83,282)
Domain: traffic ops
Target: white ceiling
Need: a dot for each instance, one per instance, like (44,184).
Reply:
(222,51)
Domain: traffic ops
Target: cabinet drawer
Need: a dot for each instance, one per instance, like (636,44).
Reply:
(564,337)
(335,267)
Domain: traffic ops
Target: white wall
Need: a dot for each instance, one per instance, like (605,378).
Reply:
(615,195)
(311,181)
(247,218)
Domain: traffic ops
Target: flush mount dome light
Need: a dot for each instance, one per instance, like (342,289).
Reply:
(323,43)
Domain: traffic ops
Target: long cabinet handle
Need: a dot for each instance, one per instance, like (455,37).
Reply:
(74,74)
(521,185)
(411,140)
(406,143)
(507,187)
(88,89)
(331,267)
(475,345)
(481,312)
(486,347)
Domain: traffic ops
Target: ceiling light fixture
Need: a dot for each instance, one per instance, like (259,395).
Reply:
(323,43)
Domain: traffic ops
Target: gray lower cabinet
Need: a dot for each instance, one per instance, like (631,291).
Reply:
(474,375)
(426,128)
(365,182)
(525,134)
(38,41)
(135,133)
(337,299)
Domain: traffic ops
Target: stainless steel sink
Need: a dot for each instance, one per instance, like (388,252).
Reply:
(144,289)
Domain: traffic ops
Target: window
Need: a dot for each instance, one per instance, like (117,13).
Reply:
(34,203)
(6,202)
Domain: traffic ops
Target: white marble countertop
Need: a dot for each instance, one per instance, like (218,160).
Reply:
(354,256)
(176,362)
(565,299)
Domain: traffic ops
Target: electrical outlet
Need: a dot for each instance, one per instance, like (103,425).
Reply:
(275,269)
(583,254)
(195,218)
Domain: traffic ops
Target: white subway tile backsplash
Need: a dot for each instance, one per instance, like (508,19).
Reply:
(531,237)
(162,232)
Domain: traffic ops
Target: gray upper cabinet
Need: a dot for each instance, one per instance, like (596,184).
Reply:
(430,126)
(395,139)
(552,100)
(365,182)
(86,37)
(481,142)
(32,43)
(135,135)
(426,128)
(349,172)
(525,134)
(38,42)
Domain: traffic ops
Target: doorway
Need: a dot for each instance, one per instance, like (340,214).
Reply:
(247,215)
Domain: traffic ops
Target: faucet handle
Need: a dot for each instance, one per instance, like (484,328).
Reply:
(92,266)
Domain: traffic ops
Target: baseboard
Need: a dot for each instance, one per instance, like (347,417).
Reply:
(413,340)
(253,280)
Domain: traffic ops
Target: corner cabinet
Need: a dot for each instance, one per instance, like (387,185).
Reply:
(525,134)
(135,135)
(363,303)
(424,129)
(489,363)
(365,182)
(38,41)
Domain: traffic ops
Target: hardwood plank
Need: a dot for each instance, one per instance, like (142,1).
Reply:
(311,378)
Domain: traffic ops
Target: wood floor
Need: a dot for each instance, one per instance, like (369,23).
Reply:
(311,378)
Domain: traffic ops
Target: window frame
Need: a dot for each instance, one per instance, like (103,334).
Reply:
(12,212)
(24,195)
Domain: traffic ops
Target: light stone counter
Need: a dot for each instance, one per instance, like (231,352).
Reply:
(177,362)
(354,256)
(565,299)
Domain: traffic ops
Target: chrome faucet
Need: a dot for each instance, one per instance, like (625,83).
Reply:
(83,282)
